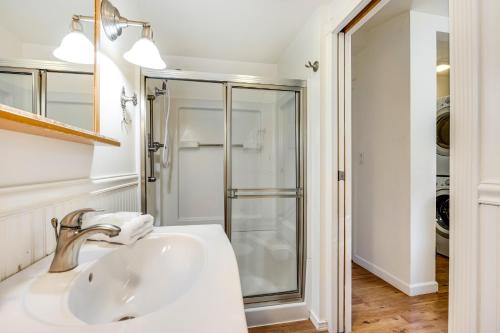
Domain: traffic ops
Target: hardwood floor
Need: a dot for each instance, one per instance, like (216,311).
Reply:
(296,327)
(377,307)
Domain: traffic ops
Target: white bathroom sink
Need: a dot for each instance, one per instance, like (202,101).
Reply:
(177,279)
(136,280)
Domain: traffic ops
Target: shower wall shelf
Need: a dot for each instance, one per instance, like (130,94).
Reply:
(16,120)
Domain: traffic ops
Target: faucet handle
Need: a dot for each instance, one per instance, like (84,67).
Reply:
(74,219)
(54,223)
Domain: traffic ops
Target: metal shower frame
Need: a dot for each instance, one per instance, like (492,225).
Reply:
(229,82)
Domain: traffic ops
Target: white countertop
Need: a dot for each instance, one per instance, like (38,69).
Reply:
(218,307)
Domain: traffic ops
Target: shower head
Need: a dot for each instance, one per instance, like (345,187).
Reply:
(163,90)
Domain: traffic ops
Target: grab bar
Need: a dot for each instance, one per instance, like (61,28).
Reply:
(196,144)
(153,146)
(256,193)
(218,145)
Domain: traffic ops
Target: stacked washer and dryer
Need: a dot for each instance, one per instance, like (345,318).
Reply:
(443,176)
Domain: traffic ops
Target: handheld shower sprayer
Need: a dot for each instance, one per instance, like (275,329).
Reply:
(165,154)
(163,90)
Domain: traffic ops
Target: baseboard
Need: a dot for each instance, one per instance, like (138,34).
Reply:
(408,289)
(276,314)
(320,325)
(423,288)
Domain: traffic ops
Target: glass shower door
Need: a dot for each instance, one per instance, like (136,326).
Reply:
(264,203)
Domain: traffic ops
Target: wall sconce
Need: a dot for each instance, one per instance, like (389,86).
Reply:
(76,47)
(144,52)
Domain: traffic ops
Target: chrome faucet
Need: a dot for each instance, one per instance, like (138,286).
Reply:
(71,237)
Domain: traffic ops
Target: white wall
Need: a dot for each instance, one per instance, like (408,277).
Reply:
(307,47)
(11,44)
(108,161)
(424,29)
(14,47)
(381,143)
(220,66)
(394,158)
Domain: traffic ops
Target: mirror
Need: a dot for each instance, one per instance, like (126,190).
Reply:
(45,69)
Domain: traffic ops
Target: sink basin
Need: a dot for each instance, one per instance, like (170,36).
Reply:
(177,279)
(136,280)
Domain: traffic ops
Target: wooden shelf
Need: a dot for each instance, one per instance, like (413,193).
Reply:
(21,121)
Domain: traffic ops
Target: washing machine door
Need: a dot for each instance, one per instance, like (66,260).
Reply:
(442,213)
(443,131)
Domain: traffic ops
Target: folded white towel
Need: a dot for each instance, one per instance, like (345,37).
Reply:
(134,226)
(118,218)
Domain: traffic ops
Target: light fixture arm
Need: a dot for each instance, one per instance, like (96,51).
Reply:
(77,19)
(83,18)
(113,23)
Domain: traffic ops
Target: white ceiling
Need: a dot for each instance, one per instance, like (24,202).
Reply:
(241,30)
(244,30)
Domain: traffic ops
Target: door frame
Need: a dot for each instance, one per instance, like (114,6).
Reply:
(464,162)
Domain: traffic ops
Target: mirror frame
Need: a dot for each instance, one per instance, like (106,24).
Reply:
(97,42)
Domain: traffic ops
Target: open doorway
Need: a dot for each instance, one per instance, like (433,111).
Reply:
(397,168)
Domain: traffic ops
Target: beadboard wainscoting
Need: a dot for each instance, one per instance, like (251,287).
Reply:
(26,234)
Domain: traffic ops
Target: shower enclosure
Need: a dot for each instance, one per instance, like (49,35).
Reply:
(229,150)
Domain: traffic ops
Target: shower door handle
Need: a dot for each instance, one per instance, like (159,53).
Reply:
(256,193)
(155,146)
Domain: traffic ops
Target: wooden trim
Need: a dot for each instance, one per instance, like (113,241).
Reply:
(372,4)
(97,42)
(21,121)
